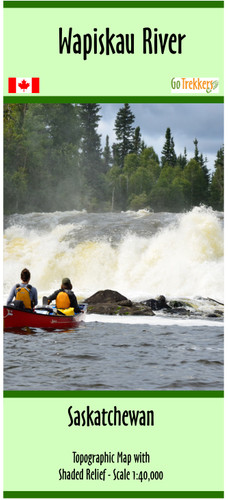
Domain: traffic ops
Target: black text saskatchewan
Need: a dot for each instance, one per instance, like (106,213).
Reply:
(114,417)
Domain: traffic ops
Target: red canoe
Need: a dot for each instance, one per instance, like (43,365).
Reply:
(15,318)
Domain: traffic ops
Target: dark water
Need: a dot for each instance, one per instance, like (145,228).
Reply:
(116,356)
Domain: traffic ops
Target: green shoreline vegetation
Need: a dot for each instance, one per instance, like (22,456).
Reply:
(53,160)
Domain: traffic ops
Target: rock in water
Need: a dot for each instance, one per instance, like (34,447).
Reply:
(157,304)
(113,303)
(104,296)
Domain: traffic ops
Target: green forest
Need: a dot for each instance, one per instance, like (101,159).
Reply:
(53,160)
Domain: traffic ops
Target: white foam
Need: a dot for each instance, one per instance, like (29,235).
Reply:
(184,259)
(151,320)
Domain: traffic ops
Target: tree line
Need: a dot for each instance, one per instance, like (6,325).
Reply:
(53,160)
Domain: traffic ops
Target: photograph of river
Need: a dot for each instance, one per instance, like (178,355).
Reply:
(141,255)
(120,200)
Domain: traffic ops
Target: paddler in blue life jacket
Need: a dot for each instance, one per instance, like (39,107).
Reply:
(65,297)
(23,292)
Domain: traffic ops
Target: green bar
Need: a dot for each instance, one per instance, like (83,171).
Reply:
(113,494)
(113,99)
(114,4)
(113,394)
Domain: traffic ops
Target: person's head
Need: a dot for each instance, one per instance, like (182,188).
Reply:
(25,275)
(66,284)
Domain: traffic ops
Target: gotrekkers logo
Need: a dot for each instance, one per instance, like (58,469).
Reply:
(189,85)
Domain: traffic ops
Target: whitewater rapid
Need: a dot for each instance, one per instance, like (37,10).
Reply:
(139,254)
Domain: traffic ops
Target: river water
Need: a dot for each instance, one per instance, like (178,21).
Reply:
(141,255)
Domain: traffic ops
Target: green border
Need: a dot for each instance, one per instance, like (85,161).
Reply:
(113,394)
(114,4)
(113,99)
(113,494)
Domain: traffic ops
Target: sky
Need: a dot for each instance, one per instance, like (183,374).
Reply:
(205,122)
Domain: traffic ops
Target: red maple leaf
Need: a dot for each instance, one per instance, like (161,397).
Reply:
(23,85)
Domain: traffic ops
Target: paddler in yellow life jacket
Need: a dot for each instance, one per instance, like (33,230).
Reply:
(65,298)
(25,295)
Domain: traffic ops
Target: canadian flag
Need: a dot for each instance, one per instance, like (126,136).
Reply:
(23,85)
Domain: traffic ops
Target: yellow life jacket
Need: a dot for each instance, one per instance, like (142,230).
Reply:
(62,300)
(23,294)
(67,312)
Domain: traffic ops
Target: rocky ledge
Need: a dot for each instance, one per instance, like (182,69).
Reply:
(111,302)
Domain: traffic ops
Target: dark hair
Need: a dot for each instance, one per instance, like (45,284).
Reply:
(66,284)
(25,275)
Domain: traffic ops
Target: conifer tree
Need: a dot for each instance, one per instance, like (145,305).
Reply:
(137,141)
(61,121)
(217,182)
(107,155)
(125,133)
(168,154)
(91,163)
(15,157)
(202,162)
(197,189)
(182,159)
(196,153)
